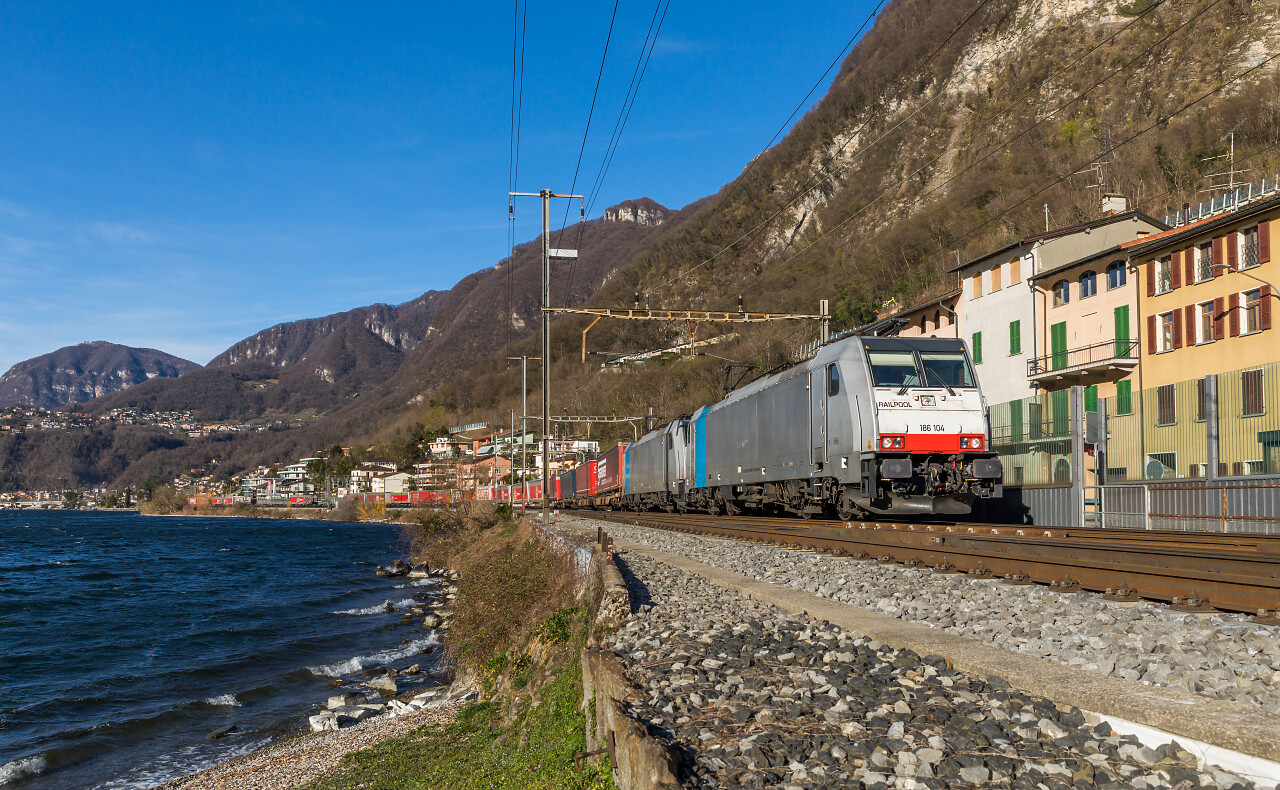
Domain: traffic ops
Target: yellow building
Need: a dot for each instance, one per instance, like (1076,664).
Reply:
(1205,302)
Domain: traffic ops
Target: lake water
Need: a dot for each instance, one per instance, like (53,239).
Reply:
(126,640)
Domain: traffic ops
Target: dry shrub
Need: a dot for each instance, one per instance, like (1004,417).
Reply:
(511,580)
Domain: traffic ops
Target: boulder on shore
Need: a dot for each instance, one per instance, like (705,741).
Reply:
(324,721)
(345,700)
(413,670)
(384,685)
(399,568)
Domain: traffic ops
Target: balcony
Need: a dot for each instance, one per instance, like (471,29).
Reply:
(1097,362)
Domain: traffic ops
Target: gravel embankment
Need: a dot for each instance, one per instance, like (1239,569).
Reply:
(1223,656)
(756,697)
(296,761)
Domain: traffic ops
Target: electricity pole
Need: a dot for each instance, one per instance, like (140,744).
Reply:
(547,255)
(524,425)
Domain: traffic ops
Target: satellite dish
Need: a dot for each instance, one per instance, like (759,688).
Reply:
(1155,469)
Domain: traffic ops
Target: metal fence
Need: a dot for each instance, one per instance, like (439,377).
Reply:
(1243,194)
(1201,454)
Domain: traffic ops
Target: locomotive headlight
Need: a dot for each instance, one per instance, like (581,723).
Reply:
(886,442)
(892,442)
(971,443)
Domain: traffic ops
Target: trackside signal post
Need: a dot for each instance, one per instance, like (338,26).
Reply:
(547,195)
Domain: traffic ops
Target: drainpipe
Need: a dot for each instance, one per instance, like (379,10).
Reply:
(1137,407)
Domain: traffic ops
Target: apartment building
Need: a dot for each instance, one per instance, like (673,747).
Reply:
(998,308)
(1206,306)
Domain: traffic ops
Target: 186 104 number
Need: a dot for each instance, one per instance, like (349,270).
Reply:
(933,429)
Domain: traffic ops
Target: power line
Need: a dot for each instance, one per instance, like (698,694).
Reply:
(1159,121)
(813,182)
(519,25)
(637,76)
(583,147)
(1001,145)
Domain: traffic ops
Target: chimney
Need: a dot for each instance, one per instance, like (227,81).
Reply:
(1113,203)
(1186,213)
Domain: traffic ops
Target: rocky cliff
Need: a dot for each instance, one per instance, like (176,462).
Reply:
(75,374)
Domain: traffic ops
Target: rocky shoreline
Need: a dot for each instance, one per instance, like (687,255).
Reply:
(362,712)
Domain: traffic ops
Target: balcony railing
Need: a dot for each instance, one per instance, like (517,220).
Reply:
(1111,354)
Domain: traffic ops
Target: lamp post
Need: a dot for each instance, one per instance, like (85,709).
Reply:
(1226,269)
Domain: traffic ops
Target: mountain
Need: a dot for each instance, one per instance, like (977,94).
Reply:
(75,374)
(324,364)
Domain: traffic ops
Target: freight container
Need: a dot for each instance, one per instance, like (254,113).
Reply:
(609,465)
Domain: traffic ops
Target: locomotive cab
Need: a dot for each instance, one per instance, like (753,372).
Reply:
(929,450)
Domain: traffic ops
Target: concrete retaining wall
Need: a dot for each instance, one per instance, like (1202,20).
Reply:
(640,761)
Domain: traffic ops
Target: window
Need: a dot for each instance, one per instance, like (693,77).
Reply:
(1015,338)
(976,348)
(977,285)
(1164,275)
(1015,271)
(1161,465)
(1166,405)
(1202,401)
(833,381)
(1124,397)
(894,369)
(1061,293)
(1088,284)
(1018,475)
(1250,257)
(1253,311)
(1116,275)
(1091,397)
(1205,324)
(1251,394)
(995,279)
(937,319)
(1035,420)
(946,369)
(1166,331)
(1204,254)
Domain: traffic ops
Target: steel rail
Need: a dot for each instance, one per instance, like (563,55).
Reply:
(1192,571)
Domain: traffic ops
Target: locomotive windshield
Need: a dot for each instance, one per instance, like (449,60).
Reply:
(946,369)
(929,369)
(894,368)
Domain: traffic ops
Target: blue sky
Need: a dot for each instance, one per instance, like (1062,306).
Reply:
(181,177)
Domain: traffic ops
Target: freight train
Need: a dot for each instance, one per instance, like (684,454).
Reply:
(869,426)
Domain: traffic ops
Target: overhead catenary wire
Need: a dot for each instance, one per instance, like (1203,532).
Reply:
(519,26)
(1164,119)
(628,102)
(1013,138)
(814,181)
(583,147)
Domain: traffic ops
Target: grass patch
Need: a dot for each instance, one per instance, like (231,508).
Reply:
(518,630)
(476,751)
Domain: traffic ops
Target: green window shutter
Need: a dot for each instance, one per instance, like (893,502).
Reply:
(1124,397)
(1015,337)
(977,348)
(1091,397)
(1122,330)
(1061,417)
(1058,344)
(1015,421)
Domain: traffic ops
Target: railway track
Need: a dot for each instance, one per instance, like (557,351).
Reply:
(1200,572)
